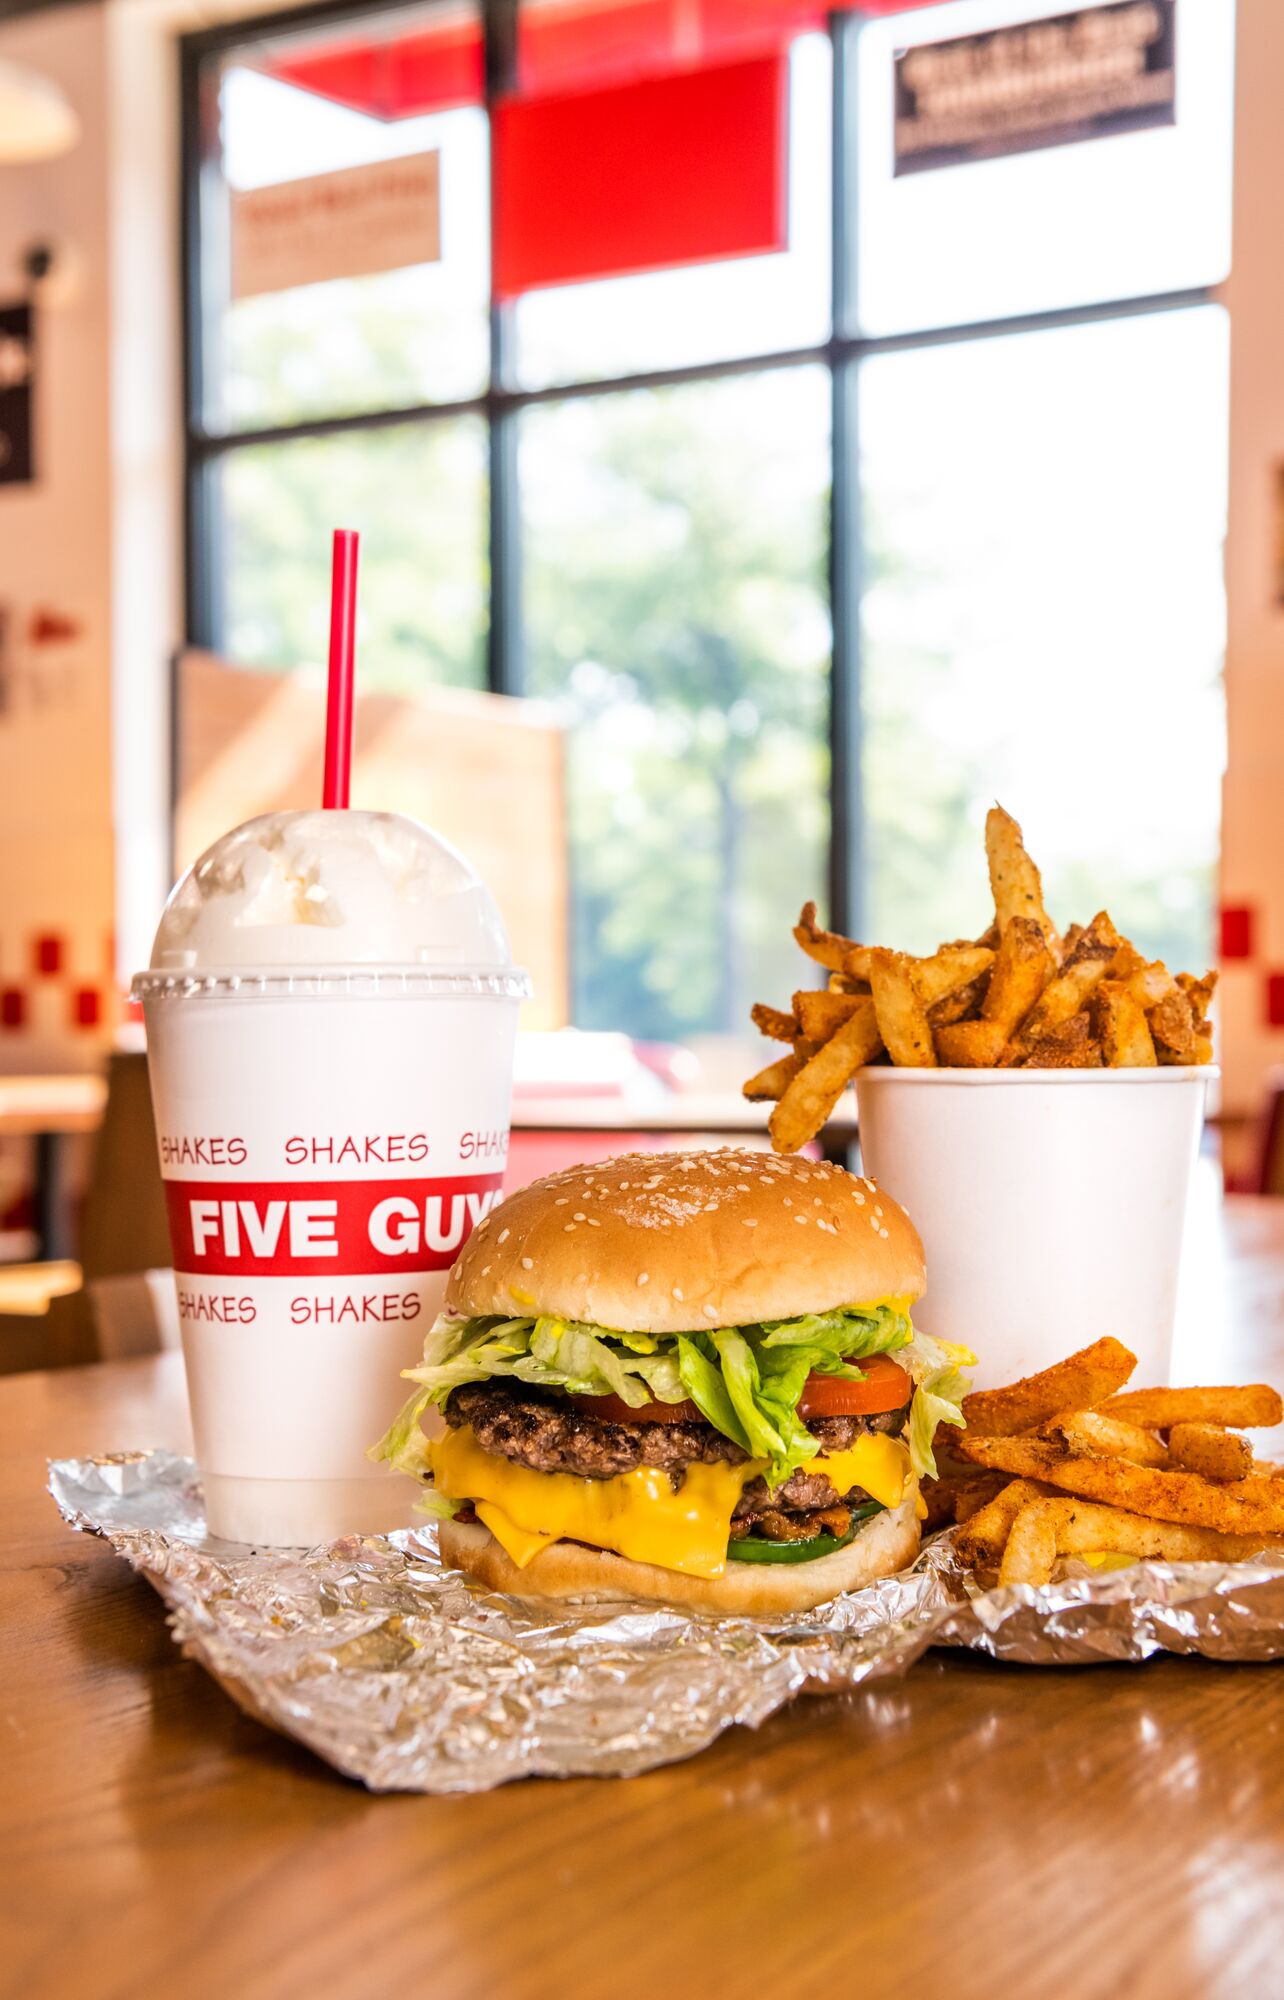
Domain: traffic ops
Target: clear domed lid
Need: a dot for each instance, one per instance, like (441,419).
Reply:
(330,888)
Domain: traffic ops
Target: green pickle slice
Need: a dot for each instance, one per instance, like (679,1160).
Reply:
(751,1549)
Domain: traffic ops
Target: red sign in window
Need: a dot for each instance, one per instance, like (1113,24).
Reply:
(676,169)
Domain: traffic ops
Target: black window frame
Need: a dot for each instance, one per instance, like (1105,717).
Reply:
(500,405)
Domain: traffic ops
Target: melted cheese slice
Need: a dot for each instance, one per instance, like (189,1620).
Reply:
(637,1514)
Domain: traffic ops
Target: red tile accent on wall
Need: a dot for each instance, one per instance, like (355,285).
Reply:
(13,1007)
(86,1007)
(1237,930)
(47,955)
(1275,999)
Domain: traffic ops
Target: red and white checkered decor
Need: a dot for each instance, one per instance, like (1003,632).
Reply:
(1241,931)
(53,983)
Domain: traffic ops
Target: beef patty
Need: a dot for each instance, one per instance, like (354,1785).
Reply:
(536,1428)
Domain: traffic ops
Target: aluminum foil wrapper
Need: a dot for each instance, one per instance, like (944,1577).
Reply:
(412,1678)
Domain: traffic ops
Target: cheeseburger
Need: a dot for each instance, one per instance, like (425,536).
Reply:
(685,1376)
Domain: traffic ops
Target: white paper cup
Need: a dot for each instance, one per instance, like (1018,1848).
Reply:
(329,1139)
(1051,1203)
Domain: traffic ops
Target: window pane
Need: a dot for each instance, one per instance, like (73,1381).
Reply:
(1044,624)
(675,565)
(418,495)
(705,312)
(1118,217)
(380,341)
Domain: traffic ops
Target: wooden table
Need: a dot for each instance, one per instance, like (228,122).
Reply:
(972,1830)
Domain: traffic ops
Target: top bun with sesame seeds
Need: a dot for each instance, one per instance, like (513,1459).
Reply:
(671,1242)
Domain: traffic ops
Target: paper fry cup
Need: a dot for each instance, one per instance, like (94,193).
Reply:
(1051,1203)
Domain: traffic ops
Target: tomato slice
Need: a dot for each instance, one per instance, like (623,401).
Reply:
(885,1387)
(613,1410)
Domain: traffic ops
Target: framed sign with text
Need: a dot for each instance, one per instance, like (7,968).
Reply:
(1086,75)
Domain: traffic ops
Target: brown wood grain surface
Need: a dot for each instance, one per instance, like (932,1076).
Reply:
(970,1830)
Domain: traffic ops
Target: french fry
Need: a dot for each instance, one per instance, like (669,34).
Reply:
(1239,1507)
(969,1044)
(956,1496)
(1070,1046)
(770,1083)
(1199,992)
(982,1538)
(1172,1028)
(1087,1434)
(1211,1451)
(1047,1529)
(961,1005)
(902,1017)
(1122,1027)
(842,982)
(1082,969)
(828,948)
(1079,1382)
(1023,965)
(1149,981)
(820,1014)
(813,1093)
(950,970)
(1243,1406)
(773,1022)
(1015,882)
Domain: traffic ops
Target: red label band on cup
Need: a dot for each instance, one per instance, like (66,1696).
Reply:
(324,1229)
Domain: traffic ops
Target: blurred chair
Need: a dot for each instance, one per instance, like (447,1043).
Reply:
(1269,1178)
(47,1319)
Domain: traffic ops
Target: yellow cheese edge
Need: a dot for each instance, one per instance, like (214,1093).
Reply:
(637,1514)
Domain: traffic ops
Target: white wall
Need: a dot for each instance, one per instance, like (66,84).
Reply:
(56,851)
(1253,831)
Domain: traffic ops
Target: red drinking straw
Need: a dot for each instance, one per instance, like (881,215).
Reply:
(343,632)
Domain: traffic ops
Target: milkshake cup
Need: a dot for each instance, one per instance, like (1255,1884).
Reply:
(330,1018)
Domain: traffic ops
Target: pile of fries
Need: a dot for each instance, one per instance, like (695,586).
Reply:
(1070,1463)
(1020,996)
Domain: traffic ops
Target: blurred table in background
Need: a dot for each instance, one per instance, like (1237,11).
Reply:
(48,1109)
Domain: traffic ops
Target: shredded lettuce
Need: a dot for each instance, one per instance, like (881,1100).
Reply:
(745,1380)
(939,1388)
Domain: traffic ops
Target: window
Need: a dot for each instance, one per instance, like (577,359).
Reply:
(812,550)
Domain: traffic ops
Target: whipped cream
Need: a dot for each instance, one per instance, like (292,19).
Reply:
(330,888)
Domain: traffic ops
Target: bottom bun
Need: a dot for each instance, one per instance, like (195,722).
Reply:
(882,1546)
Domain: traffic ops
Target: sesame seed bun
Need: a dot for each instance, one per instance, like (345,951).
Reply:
(883,1545)
(671,1242)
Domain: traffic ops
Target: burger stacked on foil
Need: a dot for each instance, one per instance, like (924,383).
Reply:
(688,1377)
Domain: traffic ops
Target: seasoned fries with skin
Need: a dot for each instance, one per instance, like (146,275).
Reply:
(983,1537)
(1015,882)
(1079,1382)
(1239,1507)
(1122,1027)
(902,1018)
(1015,997)
(1046,1530)
(773,1022)
(1023,965)
(828,948)
(1090,1435)
(813,1093)
(1210,1451)
(819,1015)
(1243,1406)
(770,1084)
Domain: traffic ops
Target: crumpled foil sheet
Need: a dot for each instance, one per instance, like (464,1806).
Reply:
(409,1677)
